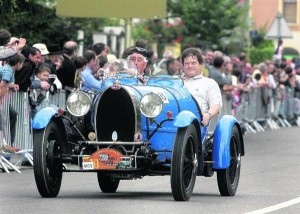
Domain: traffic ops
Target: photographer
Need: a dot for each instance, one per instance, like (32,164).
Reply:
(9,46)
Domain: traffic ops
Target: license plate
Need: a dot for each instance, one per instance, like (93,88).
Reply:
(102,159)
(88,165)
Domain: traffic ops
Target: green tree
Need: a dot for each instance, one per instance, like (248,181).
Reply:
(209,20)
(206,23)
(261,48)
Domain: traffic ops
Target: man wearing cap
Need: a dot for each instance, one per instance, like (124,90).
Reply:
(44,52)
(43,49)
(54,57)
(54,62)
(138,56)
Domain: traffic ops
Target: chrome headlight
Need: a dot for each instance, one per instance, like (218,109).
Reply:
(79,103)
(151,105)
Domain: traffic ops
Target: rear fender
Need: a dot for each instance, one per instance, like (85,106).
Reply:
(184,119)
(221,143)
(43,117)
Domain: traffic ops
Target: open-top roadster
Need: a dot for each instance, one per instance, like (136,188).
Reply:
(129,130)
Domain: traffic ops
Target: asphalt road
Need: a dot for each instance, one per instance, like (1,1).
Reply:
(269,182)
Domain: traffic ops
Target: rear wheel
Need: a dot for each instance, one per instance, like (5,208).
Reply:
(184,163)
(228,179)
(106,183)
(47,165)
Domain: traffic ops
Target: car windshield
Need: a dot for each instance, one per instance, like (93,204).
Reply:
(119,68)
(162,68)
(168,68)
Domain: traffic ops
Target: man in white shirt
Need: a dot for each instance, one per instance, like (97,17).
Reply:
(205,90)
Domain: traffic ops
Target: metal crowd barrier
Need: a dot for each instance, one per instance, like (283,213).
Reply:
(257,107)
(5,164)
(24,138)
(4,120)
(19,102)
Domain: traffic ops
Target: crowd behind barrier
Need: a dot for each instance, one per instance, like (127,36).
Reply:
(253,113)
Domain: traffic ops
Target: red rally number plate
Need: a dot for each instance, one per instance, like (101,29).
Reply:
(102,159)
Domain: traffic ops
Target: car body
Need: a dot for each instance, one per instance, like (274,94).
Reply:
(129,130)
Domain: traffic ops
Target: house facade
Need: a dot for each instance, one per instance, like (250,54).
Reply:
(263,12)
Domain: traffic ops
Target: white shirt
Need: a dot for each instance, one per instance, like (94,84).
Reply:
(279,53)
(205,90)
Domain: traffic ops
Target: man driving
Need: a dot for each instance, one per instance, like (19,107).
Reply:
(138,56)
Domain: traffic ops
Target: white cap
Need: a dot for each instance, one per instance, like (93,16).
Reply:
(111,58)
(42,48)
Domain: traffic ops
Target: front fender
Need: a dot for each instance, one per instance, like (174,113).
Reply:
(184,119)
(43,117)
(221,143)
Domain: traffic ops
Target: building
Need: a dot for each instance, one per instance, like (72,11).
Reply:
(263,12)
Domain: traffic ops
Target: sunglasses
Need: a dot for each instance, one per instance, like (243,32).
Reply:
(141,49)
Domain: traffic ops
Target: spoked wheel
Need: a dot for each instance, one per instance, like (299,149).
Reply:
(228,179)
(106,183)
(47,165)
(184,163)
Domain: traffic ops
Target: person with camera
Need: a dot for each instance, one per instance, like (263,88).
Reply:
(9,46)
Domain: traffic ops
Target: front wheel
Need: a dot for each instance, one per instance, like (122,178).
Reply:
(47,165)
(184,163)
(228,179)
(106,183)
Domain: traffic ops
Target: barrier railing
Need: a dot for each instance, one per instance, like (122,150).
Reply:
(257,107)
(23,138)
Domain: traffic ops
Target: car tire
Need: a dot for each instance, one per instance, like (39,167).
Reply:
(184,163)
(228,179)
(106,183)
(47,165)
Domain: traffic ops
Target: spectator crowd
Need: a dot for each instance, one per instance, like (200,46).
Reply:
(49,67)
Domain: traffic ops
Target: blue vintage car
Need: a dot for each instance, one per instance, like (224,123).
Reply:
(129,130)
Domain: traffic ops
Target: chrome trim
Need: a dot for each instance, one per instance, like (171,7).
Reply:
(79,92)
(136,104)
(114,143)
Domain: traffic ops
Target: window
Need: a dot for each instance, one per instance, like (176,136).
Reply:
(290,11)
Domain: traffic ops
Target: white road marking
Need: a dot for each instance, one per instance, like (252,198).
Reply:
(276,207)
